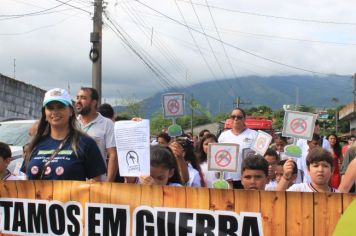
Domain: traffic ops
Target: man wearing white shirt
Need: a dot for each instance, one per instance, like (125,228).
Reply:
(98,127)
(241,135)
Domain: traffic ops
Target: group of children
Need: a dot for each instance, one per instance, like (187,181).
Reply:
(178,162)
(266,172)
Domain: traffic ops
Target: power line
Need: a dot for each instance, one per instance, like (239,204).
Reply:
(120,33)
(160,17)
(207,39)
(199,50)
(164,50)
(36,29)
(222,45)
(275,17)
(78,8)
(238,48)
(36,12)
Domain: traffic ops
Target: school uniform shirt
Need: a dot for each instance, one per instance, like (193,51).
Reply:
(194,177)
(305,187)
(209,176)
(66,165)
(271,186)
(245,140)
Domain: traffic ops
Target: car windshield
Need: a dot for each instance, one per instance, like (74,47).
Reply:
(15,134)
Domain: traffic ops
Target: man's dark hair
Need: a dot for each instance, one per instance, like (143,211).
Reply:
(255,162)
(5,151)
(165,136)
(106,110)
(319,154)
(93,93)
(295,168)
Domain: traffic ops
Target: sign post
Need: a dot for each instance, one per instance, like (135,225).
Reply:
(173,107)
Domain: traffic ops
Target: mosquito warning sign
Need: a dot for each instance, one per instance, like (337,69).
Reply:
(261,142)
(299,124)
(223,156)
(173,104)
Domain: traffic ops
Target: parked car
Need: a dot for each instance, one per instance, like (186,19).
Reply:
(15,134)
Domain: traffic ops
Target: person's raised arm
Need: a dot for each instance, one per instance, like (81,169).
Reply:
(287,175)
(182,165)
(349,178)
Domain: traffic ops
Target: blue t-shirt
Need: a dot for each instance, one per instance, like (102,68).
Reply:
(66,165)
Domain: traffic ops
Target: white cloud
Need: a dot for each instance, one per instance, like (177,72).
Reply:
(55,54)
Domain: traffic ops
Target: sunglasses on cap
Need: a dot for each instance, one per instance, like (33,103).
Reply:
(234,117)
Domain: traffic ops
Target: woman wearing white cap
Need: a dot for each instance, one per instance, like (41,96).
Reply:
(59,151)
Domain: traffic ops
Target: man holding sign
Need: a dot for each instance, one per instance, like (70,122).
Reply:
(242,136)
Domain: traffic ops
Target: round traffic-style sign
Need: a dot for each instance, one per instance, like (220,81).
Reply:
(173,106)
(222,158)
(298,125)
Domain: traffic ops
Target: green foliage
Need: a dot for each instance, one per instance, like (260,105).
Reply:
(221,116)
(157,123)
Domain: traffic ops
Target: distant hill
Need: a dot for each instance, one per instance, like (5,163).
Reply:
(273,91)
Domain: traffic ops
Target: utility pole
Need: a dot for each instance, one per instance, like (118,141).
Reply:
(238,102)
(96,50)
(14,68)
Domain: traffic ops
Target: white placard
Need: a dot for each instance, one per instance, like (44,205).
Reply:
(173,104)
(223,156)
(262,142)
(299,124)
(133,147)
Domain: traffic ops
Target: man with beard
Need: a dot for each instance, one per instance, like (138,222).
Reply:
(101,129)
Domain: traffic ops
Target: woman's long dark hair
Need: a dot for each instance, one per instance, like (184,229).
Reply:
(44,129)
(201,155)
(336,148)
(191,157)
(164,157)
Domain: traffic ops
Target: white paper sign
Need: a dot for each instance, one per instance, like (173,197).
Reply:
(223,156)
(173,104)
(299,124)
(133,147)
(262,142)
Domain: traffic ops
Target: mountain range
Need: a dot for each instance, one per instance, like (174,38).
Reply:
(273,91)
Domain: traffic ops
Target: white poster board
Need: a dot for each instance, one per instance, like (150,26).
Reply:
(133,147)
(173,105)
(262,142)
(223,156)
(299,124)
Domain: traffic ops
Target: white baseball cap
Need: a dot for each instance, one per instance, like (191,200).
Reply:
(58,95)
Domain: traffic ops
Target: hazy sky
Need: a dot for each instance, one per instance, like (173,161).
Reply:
(50,41)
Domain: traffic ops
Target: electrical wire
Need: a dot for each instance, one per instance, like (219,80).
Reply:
(241,49)
(162,48)
(275,17)
(200,52)
(162,79)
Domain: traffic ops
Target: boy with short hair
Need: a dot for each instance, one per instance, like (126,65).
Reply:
(279,175)
(254,173)
(5,158)
(320,167)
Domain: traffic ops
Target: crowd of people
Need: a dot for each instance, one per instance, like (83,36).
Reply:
(76,141)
